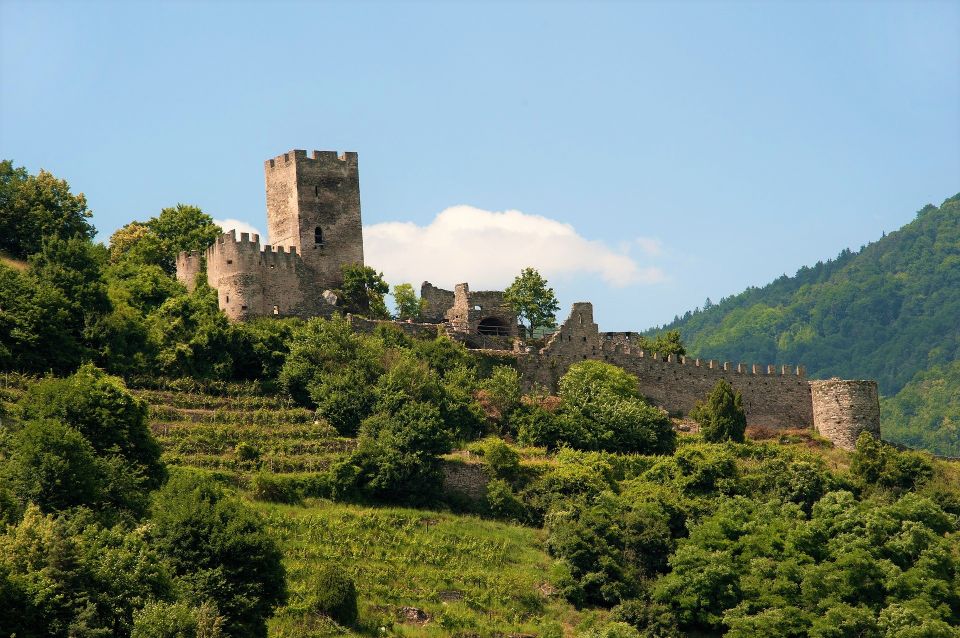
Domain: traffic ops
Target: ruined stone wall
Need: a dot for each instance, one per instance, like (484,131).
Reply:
(468,479)
(843,409)
(313,204)
(436,302)
(472,310)
(774,396)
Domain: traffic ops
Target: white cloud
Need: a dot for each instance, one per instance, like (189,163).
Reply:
(488,249)
(240,226)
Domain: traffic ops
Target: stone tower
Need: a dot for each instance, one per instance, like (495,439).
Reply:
(313,204)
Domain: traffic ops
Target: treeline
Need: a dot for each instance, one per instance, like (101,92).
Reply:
(887,312)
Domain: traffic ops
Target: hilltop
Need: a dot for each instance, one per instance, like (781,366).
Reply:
(886,312)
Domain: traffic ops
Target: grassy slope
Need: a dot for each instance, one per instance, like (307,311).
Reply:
(471,576)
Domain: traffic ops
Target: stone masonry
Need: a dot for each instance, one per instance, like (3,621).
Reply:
(776,396)
(313,217)
(842,410)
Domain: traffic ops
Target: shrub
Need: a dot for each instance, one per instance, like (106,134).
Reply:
(721,416)
(335,595)
(101,408)
(501,460)
(161,619)
(246,451)
(503,503)
(275,488)
(219,550)
(876,463)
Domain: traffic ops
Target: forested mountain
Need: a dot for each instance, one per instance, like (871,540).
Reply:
(888,312)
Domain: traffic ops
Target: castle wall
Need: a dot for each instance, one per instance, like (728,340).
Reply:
(188,267)
(472,308)
(253,282)
(774,396)
(436,302)
(843,409)
(415,330)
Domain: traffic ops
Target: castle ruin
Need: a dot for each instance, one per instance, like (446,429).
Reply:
(313,219)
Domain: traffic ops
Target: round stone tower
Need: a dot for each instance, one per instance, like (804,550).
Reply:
(843,409)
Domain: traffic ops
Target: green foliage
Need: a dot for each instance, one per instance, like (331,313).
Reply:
(35,207)
(161,619)
(532,300)
(877,463)
(192,336)
(886,312)
(925,413)
(399,452)
(721,416)
(409,306)
(218,550)
(362,291)
(335,595)
(601,409)
(72,577)
(501,460)
(54,466)
(105,413)
(664,343)
(158,240)
(503,391)
(50,312)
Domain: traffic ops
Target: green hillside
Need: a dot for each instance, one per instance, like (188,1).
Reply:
(888,312)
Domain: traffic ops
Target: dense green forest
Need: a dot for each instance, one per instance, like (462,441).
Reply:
(167,474)
(889,312)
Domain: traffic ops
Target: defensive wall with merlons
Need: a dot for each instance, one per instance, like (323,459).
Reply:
(775,396)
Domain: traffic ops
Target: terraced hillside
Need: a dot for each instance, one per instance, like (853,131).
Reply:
(418,572)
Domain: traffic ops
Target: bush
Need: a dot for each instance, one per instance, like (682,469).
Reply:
(54,466)
(246,451)
(275,488)
(876,463)
(177,620)
(501,460)
(721,416)
(219,550)
(108,415)
(335,595)
(503,503)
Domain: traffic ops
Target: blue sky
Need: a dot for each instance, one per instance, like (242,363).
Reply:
(654,154)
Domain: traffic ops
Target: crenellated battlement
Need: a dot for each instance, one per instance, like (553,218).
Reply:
(300,156)
(754,369)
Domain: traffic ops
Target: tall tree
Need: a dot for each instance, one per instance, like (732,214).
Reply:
(721,417)
(532,300)
(33,207)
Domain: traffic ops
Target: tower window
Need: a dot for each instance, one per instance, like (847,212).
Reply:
(276,310)
(318,236)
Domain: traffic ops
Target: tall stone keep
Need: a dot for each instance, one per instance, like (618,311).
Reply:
(313,204)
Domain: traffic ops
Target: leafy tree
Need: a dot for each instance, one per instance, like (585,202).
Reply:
(362,291)
(664,343)
(73,577)
(34,207)
(532,300)
(409,306)
(54,466)
(502,391)
(399,452)
(601,409)
(192,335)
(100,407)
(182,227)
(721,416)
(219,551)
